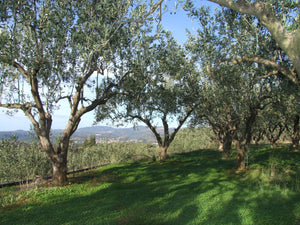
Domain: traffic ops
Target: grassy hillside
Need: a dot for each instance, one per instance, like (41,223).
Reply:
(192,188)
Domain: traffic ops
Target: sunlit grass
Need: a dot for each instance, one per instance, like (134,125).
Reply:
(192,188)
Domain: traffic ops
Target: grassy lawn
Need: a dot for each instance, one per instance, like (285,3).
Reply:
(191,188)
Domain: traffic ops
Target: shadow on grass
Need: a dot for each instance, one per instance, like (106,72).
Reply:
(191,188)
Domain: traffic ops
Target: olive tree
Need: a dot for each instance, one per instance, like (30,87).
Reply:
(290,113)
(163,90)
(234,91)
(273,125)
(232,106)
(50,53)
(216,110)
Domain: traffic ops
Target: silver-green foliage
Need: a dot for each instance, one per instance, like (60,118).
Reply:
(193,139)
(21,161)
(51,51)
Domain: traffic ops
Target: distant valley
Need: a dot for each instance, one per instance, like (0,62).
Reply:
(102,133)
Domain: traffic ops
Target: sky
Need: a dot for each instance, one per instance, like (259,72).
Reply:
(176,22)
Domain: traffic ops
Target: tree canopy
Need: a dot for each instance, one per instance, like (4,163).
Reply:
(112,56)
(163,89)
(51,52)
(234,91)
(282,19)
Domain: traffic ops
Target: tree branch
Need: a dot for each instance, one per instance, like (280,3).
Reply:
(181,122)
(17,105)
(24,72)
(152,10)
(158,4)
(166,131)
(152,128)
(292,75)
(31,118)
(26,108)
(288,41)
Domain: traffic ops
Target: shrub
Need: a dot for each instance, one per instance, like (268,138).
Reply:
(21,161)
(191,139)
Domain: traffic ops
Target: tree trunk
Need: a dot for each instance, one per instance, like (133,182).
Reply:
(58,158)
(227,145)
(272,141)
(258,137)
(294,132)
(221,146)
(272,144)
(296,136)
(295,143)
(240,163)
(242,148)
(59,173)
(163,153)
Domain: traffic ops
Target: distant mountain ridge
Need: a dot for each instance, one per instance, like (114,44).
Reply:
(21,134)
(102,133)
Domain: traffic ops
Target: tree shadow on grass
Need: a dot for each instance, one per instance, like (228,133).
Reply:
(263,153)
(192,188)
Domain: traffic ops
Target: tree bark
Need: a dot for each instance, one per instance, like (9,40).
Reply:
(294,131)
(163,153)
(58,160)
(296,136)
(240,163)
(59,172)
(221,146)
(272,144)
(244,141)
(272,136)
(295,143)
(258,136)
(226,145)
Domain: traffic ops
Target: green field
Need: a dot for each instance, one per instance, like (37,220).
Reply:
(192,188)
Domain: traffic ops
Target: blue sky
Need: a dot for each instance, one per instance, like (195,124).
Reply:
(177,23)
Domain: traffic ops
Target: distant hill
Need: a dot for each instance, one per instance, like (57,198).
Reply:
(102,133)
(105,133)
(21,134)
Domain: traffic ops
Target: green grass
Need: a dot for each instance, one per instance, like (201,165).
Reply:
(193,188)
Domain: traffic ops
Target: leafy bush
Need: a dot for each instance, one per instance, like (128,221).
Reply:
(191,139)
(21,161)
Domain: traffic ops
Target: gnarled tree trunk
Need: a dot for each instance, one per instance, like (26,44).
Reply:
(272,136)
(240,163)
(59,156)
(296,133)
(163,153)
(225,145)
(59,172)
(58,160)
